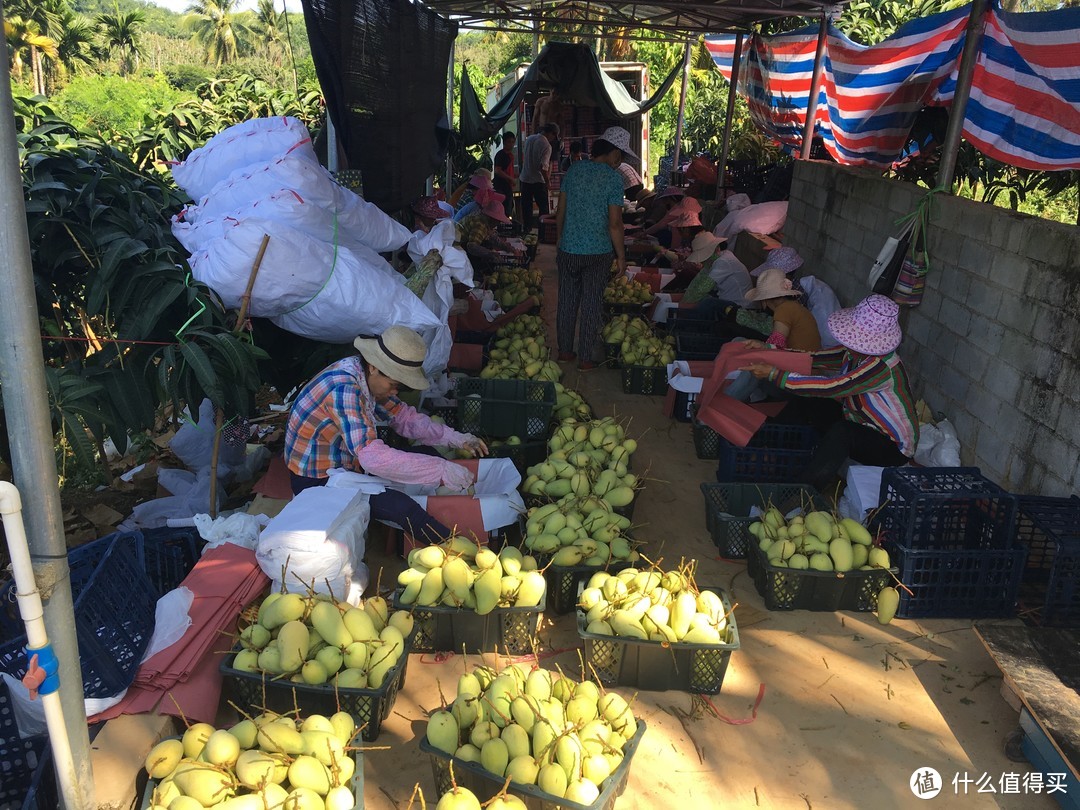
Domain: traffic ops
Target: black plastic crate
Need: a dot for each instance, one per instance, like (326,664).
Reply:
(956,583)
(257,691)
(20,760)
(523,455)
(706,440)
(776,453)
(795,589)
(114,604)
(508,630)
(485,785)
(727,510)
(613,355)
(659,666)
(611,310)
(945,507)
(690,321)
(504,408)
(563,581)
(651,380)
(698,345)
(1050,530)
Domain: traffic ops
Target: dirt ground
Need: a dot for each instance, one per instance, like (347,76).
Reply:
(851,709)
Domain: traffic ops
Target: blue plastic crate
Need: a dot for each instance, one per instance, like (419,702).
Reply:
(1050,530)
(776,454)
(114,615)
(945,507)
(168,555)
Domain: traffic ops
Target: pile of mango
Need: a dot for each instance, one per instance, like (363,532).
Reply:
(569,404)
(623,290)
(317,640)
(817,541)
(523,326)
(625,327)
(266,761)
(537,728)
(653,605)
(648,350)
(586,458)
(522,357)
(460,575)
(579,531)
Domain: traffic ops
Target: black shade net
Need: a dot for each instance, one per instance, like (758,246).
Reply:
(382,65)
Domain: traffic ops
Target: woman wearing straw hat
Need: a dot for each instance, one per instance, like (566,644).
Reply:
(879,426)
(333,425)
(794,327)
(589,229)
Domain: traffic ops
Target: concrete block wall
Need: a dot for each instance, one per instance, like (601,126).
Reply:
(995,345)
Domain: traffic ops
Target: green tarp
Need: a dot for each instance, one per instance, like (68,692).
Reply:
(573,70)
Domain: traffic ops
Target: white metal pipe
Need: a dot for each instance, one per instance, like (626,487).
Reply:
(33,615)
(332,163)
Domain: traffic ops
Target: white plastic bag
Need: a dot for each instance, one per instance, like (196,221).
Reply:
(255,141)
(318,540)
(194,442)
(239,528)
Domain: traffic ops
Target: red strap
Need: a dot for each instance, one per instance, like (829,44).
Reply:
(746,720)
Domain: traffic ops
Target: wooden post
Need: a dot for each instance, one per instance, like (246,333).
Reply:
(219,416)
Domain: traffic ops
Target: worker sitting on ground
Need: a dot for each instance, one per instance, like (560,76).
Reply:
(333,425)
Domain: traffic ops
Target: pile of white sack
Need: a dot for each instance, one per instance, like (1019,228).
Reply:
(322,276)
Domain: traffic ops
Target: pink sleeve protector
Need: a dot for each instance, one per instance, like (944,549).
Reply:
(409,423)
(404,468)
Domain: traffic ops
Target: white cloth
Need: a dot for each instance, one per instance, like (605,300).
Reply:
(766,217)
(822,302)
(535,158)
(732,278)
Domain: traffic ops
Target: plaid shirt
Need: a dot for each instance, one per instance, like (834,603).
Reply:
(333,419)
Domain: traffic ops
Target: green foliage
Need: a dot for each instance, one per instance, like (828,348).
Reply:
(107,104)
(107,266)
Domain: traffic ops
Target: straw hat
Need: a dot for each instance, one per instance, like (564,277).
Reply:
(704,246)
(429,208)
(398,353)
(620,139)
(869,327)
(786,259)
(771,284)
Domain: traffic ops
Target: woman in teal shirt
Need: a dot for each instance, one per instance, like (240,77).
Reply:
(590,236)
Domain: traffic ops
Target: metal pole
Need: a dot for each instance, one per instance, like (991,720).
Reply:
(22,371)
(972,40)
(728,117)
(331,144)
(682,107)
(448,186)
(815,86)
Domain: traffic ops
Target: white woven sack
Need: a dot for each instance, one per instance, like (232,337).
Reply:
(258,140)
(309,184)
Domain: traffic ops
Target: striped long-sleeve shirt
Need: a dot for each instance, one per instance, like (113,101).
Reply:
(874,391)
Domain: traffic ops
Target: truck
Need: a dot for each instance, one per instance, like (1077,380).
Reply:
(580,121)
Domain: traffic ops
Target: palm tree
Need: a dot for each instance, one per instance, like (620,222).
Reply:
(75,44)
(120,32)
(25,40)
(215,25)
(268,28)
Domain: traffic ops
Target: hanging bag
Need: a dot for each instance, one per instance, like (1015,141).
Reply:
(911,280)
(886,269)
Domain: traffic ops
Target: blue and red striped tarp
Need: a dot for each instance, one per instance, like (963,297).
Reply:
(1025,98)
